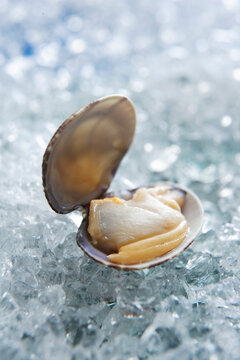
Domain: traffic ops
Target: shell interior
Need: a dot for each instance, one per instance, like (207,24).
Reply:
(193,212)
(84,154)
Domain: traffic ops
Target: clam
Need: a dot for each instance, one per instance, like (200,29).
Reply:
(131,229)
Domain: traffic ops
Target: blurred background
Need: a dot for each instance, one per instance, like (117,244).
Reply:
(179,62)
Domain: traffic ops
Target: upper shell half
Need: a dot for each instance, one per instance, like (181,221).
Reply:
(84,153)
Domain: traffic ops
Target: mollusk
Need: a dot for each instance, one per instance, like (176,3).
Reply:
(131,229)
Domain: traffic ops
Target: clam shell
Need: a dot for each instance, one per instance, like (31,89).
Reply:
(85,152)
(81,160)
(192,210)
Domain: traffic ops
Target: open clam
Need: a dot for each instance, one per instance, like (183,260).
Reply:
(131,229)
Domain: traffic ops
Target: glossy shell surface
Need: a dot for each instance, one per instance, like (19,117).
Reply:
(192,210)
(84,153)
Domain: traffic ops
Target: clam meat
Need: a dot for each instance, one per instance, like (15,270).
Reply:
(140,229)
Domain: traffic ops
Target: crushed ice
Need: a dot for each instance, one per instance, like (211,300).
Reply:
(179,62)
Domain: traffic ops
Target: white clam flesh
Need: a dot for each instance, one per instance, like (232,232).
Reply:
(140,229)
